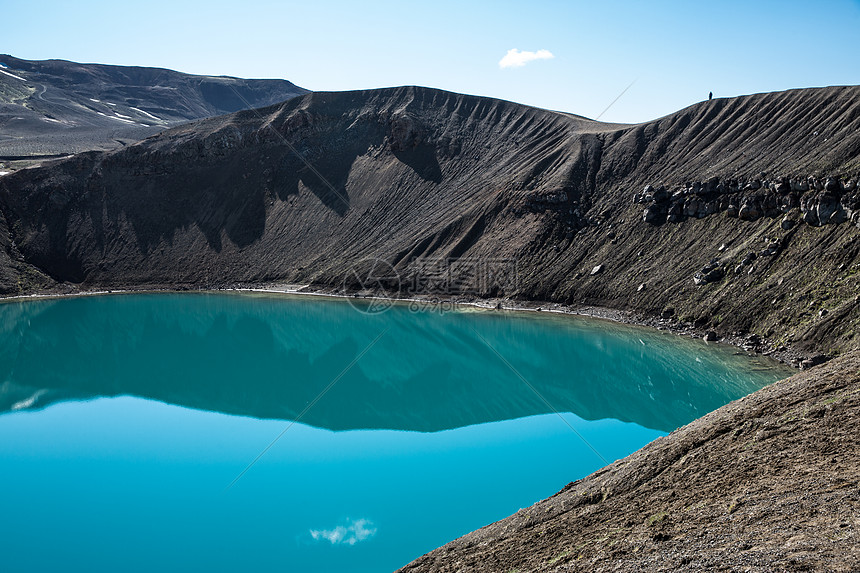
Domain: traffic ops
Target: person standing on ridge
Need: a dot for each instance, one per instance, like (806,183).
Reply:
(710,96)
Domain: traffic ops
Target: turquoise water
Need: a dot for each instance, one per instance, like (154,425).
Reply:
(130,423)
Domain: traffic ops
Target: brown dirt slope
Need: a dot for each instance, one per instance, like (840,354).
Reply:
(299,191)
(767,483)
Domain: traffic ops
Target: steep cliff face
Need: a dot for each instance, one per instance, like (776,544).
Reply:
(301,191)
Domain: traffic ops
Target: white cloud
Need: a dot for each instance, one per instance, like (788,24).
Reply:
(354,531)
(516,59)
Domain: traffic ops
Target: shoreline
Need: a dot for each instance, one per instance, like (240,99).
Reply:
(751,345)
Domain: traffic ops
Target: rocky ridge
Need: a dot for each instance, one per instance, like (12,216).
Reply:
(51,108)
(814,201)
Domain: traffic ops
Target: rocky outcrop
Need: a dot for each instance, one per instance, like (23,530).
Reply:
(404,133)
(710,273)
(818,200)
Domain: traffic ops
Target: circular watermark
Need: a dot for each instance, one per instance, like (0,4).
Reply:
(375,283)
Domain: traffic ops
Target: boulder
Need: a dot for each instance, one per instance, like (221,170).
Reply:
(832,185)
(654,214)
(810,217)
(404,133)
(773,248)
(715,274)
(769,205)
(710,336)
(597,270)
(749,211)
(826,206)
(692,207)
(709,208)
(709,275)
(787,203)
(839,216)
(813,361)
(675,213)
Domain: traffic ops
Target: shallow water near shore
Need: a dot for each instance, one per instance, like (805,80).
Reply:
(130,425)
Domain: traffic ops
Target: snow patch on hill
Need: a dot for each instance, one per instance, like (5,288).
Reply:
(12,75)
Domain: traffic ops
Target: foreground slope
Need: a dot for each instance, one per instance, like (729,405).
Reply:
(301,191)
(766,483)
(55,107)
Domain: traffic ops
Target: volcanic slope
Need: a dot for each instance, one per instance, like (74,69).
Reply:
(55,107)
(752,209)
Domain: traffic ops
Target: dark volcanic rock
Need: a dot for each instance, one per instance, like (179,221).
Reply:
(749,212)
(654,214)
(709,274)
(404,133)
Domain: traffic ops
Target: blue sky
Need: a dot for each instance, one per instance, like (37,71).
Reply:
(674,52)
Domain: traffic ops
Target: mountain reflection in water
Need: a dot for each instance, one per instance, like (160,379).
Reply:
(272,356)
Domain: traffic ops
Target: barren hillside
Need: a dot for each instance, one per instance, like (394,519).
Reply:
(740,214)
(55,107)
